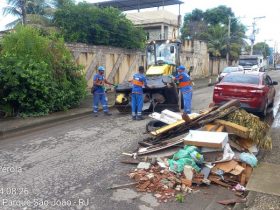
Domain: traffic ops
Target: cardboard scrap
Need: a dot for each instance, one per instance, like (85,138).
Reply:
(237,170)
(226,166)
(245,143)
(231,167)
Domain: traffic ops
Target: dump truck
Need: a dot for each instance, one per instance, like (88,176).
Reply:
(252,62)
(162,59)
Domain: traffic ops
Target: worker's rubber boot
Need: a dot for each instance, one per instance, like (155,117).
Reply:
(107,113)
(139,118)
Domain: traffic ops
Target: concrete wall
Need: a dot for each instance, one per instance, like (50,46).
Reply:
(216,66)
(120,64)
(194,53)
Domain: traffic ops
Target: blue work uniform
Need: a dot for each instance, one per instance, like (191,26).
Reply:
(186,89)
(99,93)
(139,80)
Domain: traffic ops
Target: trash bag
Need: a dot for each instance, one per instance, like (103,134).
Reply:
(249,159)
(183,153)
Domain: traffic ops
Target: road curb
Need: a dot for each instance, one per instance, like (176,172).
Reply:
(15,131)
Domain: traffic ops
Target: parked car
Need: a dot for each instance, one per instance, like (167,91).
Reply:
(229,69)
(254,90)
(277,67)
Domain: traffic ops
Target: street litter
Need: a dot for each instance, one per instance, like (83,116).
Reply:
(216,146)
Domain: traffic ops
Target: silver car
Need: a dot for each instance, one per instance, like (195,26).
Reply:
(228,70)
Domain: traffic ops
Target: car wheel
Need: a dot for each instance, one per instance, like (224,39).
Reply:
(271,104)
(264,112)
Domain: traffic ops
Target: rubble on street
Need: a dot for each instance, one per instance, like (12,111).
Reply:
(217,146)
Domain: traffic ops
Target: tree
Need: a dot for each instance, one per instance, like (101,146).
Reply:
(18,9)
(59,4)
(236,41)
(217,41)
(218,15)
(261,48)
(194,25)
(100,26)
(198,23)
(31,12)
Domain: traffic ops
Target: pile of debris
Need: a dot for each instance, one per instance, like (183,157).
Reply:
(217,146)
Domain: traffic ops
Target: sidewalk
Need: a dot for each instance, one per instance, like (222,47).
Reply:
(16,126)
(265,192)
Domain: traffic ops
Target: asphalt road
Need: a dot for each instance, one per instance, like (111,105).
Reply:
(71,165)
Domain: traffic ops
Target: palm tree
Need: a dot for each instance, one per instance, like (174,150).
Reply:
(217,41)
(37,13)
(18,9)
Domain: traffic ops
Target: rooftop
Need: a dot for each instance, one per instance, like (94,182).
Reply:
(153,17)
(126,5)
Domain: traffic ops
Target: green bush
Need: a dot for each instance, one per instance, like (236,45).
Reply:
(99,26)
(37,74)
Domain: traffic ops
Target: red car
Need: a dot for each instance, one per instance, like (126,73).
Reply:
(254,90)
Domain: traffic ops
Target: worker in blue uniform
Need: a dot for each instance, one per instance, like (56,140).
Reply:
(99,94)
(139,81)
(185,86)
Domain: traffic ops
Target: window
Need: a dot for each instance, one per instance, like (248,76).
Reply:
(267,80)
(242,78)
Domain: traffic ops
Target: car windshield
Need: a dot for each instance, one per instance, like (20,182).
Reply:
(248,62)
(163,53)
(230,69)
(242,78)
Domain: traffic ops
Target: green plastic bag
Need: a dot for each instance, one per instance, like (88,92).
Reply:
(184,153)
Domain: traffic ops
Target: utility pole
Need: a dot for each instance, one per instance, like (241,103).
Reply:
(253,35)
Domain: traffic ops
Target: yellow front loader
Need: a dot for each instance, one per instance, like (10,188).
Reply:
(162,59)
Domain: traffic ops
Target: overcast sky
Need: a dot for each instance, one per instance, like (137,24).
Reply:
(269,27)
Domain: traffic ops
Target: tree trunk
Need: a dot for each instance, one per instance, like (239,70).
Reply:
(23,10)
(212,66)
(219,62)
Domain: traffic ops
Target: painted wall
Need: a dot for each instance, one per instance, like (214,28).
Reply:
(90,57)
(121,64)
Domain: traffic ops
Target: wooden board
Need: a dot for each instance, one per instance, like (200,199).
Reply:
(238,130)
(220,129)
(167,128)
(243,176)
(172,142)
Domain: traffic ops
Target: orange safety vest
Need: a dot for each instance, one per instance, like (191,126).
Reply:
(138,83)
(184,84)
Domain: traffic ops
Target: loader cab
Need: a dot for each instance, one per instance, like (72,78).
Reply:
(162,57)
